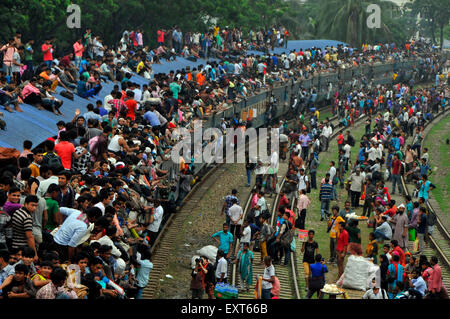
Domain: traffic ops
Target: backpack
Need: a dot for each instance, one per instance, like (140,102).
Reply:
(392,276)
(51,159)
(351,140)
(287,237)
(335,179)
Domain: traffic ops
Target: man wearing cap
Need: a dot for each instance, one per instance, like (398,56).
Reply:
(400,224)
(228,202)
(376,292)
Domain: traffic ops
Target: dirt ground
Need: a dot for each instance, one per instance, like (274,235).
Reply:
(204,221)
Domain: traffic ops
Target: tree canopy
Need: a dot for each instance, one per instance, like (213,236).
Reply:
(343,20)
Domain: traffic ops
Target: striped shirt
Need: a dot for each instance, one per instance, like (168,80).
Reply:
(326,191)
(118,105)
(22,221)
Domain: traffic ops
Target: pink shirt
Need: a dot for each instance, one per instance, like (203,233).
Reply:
(28,89)
(303,202)
(254,200)
(8,54)
(78,48)
(435,280)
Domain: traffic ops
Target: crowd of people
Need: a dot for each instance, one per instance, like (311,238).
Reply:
(393,114)
(81,211)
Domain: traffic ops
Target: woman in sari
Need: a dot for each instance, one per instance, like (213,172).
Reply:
(245,259)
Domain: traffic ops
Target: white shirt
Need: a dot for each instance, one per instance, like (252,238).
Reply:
(235,212)
(332,172)
(159,212)
(43,186)
(327,131)
(246,235)
(347,149)
(262,204)
(373,153)
(302,179)
(105,240)
(106,105)
(137,94)
(101,206)
(268,273)
(371,295)
(222,267)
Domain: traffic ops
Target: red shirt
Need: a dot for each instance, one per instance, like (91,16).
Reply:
(78,49)
(340,139)
(283,201)
(160,36)
(291,216)
(342,241)
(391,211)
(48,56)
(131,106)
(400,253)
(396,167)
(65,150)
(65,61)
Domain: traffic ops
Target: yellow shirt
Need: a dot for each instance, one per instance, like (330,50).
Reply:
(35,172)
(317,113)
(334,231)
(139,67)
(216,30)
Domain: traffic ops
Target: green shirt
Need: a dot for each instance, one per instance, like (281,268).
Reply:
(52,209)
(28,56)
(353,234)
(175,88)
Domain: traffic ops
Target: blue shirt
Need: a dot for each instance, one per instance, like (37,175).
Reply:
(145,267)
(419,285)
(7,271)
(83,62)
(152,118)
(92,115)
(318,269)
(226,239)
(424,169)
(72,230)
(361,155)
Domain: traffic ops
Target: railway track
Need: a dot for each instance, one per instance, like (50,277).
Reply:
(288,276)
(439,242)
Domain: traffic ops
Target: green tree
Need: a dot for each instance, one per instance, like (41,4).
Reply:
(346,20)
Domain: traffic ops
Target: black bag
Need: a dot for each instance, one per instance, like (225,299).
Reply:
(67,94)
(287,237)
(335,179)
(51,159)
(392,276)
(351,140)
